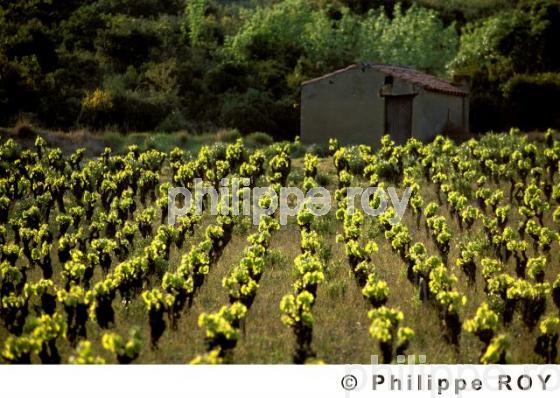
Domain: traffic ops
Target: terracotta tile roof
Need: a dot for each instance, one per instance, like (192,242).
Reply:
(424,80)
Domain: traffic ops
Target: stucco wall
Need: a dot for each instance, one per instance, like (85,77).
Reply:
(433,112)
(348,106)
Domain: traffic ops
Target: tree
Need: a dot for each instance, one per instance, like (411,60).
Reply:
(195,19)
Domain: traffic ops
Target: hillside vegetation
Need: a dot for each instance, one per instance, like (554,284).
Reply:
(199,65)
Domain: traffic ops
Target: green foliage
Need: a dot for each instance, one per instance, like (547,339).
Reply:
(128,40)
(485,320)
(496,351)
(491,267)
(210,358)
(149,61)
(222,324)
(19,349)
(500,53)
(155,300)
(414,37)
(384,323)
(85,356)
(296,310)
(350,38)
(550,326)
(125,351)
(106,253)
(523,91)
(536,267)
(376,290)
(258,139)
(47,328)
(195,18)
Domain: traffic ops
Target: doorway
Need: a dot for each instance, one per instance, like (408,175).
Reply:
(398,117)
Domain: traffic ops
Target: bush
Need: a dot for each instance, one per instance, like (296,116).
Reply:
(465,10)
(249,112)
(97,107)
(115,140)
(142,8)
(228,135)
(128,110)
(161,141)
(60,102)
(258,139)
(495,51)
(356,163)
(318,149)
(128,41)
(24,130)
(218,151)
(174,121)
(297,150)
(17,93)
(534,100)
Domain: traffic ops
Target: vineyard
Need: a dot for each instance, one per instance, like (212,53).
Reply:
(91,272)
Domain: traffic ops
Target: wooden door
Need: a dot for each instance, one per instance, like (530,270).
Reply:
(398,118)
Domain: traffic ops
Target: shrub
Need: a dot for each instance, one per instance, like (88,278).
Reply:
(250,111)
(24,130)
(174,121)
(513,44)
(320,150)
(534,100)
(258,139)
(231,135)
(138,111)
(128,40)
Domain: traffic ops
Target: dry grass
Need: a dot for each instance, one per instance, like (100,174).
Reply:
(265,339)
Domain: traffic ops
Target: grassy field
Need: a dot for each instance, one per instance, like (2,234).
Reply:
(341,324)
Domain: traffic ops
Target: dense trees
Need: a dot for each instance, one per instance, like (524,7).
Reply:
(508,56)
(197,64)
